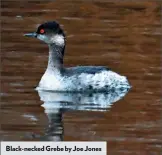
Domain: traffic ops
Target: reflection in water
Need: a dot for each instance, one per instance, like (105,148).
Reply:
(54,132)
(55,104)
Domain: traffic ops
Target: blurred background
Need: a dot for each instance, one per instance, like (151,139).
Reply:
(122,35)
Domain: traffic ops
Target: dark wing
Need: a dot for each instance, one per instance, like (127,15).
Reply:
(86,69)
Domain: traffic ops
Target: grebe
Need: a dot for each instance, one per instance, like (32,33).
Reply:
(73,79)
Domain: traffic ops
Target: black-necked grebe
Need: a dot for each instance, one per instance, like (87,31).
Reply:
(80,78)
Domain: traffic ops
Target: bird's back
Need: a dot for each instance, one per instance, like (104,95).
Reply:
(85,69)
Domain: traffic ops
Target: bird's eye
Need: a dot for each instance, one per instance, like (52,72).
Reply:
(42,31)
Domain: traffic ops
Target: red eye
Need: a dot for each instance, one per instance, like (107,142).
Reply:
(42,31)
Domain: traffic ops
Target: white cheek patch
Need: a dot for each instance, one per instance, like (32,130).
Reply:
(58,39)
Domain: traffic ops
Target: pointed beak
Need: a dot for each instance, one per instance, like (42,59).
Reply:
(33,35)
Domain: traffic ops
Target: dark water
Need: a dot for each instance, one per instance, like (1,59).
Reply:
(123,35)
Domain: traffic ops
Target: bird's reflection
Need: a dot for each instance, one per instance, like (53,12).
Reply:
(55,104)
(54,132)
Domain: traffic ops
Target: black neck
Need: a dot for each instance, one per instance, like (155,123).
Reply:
(55,60)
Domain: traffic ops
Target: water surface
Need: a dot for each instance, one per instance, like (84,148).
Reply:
(122,35)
